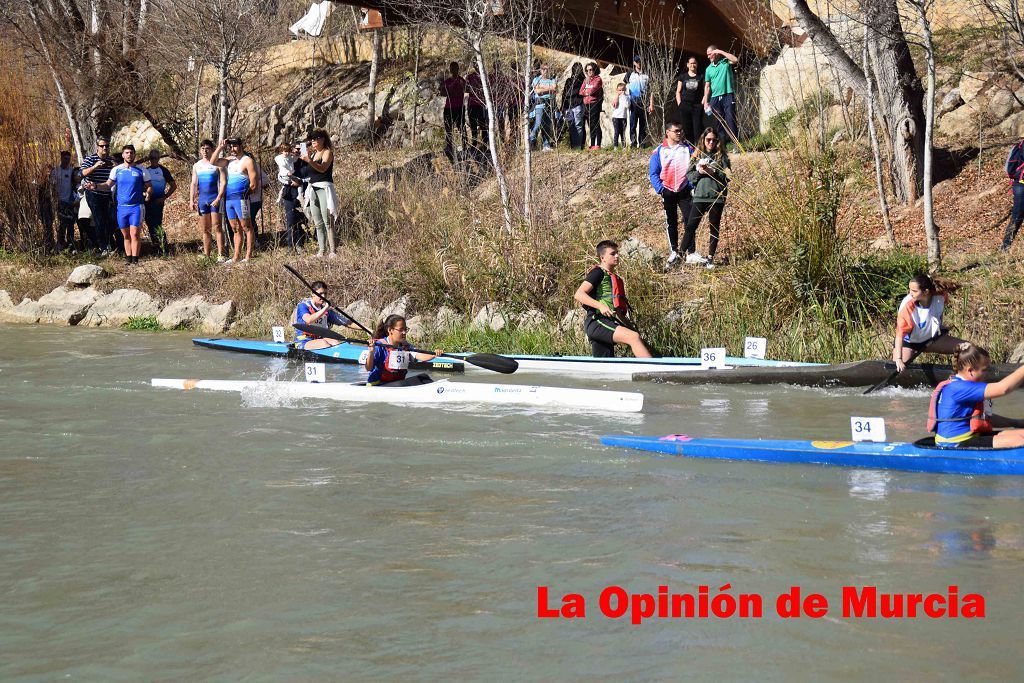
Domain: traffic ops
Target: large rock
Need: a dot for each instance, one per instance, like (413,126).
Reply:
(490,317)
(683,313)
(66,306)
(633,248)
(531,319)
(1017,355)
(1002,104)
(85,275)
(572,322)
(120,306)
(399,306)
(217,319)
(949,102)
(961,122)
(972,83)
(185,312)
(1012,126)
(363,312)
(420,326)
(25,312)
(447,319)
(5,300)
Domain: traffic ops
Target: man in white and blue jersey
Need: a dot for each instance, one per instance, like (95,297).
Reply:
(162,187)
(240,181)
(206,191)
(133,191)
(96,170)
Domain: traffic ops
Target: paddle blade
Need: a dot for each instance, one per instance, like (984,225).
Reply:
(491,361)
(319,331)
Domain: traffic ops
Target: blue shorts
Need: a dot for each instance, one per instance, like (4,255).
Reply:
(206,205)
(129,215)
(237,209)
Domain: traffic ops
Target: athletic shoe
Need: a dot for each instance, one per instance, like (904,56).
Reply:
(547,148)
(332,255)
(245,260)
(709,265)
(228,262)
(593,147)
(221,259)
(673,258)
(695,259)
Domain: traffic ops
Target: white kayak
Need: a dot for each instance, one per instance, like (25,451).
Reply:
(441,392)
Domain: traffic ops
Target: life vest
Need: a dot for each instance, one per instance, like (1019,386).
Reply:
(978,419)
(296,318)
(394,367)
(619,302)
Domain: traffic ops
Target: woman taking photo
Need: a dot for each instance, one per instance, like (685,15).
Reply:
(708,173)
(322,200)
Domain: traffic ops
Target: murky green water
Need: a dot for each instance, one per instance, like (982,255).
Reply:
(153,534)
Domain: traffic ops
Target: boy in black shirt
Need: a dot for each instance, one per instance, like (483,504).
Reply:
(603,296)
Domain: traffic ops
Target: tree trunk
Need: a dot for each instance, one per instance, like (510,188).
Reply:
(883,202)
(418,42)
(931,230)
(492,138)
(524,120)
(372,95)
(222,95)
(197,128)
(900,95)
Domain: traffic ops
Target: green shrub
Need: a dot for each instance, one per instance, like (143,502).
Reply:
(147,323)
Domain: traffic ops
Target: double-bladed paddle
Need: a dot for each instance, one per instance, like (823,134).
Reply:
(488,361)
(914,354)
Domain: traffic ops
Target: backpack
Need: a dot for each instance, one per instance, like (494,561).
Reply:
(1015,163)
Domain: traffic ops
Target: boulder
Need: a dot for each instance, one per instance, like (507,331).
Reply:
(185,312)
(572,322)
(85,275)
(1002,104)
(399,306)
(684,312)
(961,122)
(66,306)
(25,312)
(5,300)
(363,312)
(1017,355)
(420,326)
(949,102)
(217,319)
(447,318)
(633,248)
(971,84)
(1012,126)
(490,317)
(118,307)
(531,319)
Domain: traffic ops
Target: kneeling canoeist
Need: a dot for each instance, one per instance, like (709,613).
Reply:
(958,412)
(390,354)
(315,311)
(919,323)
(603,296)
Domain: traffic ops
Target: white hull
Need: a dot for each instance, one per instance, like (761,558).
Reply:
(441,392)
(620,368)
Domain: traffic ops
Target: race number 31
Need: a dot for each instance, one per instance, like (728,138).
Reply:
(867,428)
(316,372)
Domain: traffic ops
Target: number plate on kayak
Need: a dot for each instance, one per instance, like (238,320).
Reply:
(867,428)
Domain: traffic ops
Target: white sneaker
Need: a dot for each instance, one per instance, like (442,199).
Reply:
(709,265)
(245,260)
(695,258)
(227,262)
(673,256)
(332,255)
(221,259)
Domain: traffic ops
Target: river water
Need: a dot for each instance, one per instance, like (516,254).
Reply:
(152,534)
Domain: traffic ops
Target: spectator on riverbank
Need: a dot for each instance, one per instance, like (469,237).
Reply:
(708,173)
(641,102)
(133,191)
(1015,171)
(507,93)
(572,106)
(206,192)
(96,169)
(620,110)
(322,203)
(162,187)
(667,171)
(592,91)
(63,181)
(256,196)
(453,89)
(476,107)
(689,96)
(241,179)
(289,175)
(720,92)
(86,235)
(543,87)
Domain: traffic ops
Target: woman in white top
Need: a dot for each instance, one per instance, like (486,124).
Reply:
(919,323)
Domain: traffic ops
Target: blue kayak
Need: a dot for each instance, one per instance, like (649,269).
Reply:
(912,457)
(342,353)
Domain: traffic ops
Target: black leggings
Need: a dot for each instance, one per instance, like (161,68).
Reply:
(593,114)
(714,212)
(675,202)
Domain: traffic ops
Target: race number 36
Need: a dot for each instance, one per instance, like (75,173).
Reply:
(712,357)
(754,347)
(867,428)
(316,372)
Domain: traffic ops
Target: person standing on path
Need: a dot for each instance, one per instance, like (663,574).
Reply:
(453,89)
(96,169)
(620,110)
(572,106)
(163,186)
(206,193)
(720,92)
(708,174)
(689,93)
(592,91)
(641,102)
(322,200)
(667,171)
(63,180)
(544,87)
(241,179)
(1015,171)
(133,191)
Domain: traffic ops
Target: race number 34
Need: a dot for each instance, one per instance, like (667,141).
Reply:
(867,428)
(712,357)
(316,372)
(754,347)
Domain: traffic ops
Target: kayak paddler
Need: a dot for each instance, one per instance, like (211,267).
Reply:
(919,323)
(389,357)
(316,311)
(959,411)
(603,297)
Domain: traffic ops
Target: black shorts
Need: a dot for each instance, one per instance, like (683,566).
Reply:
(919,346)
(601,331)
(978,441)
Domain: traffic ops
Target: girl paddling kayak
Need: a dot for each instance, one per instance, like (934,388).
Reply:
(388,360)
(919,323)
(958,414)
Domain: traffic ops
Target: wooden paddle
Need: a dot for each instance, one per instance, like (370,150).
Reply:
(488,361)
(914,354)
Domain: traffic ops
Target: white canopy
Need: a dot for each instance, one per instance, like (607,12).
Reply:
(312,23)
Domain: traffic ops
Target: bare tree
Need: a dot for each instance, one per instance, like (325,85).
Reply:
(883,201)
